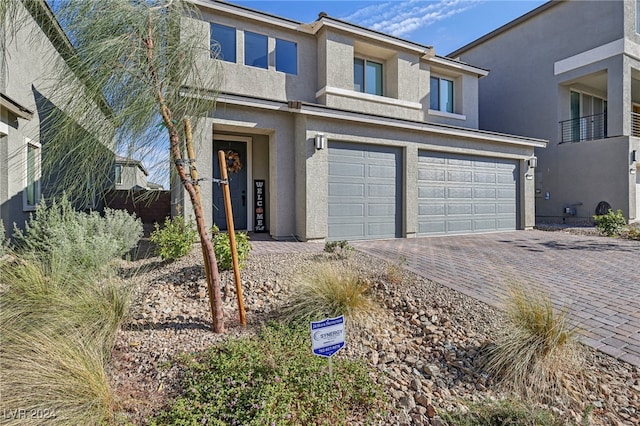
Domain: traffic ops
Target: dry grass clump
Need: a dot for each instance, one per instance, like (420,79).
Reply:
(57,327)
(536,348)
(329,290)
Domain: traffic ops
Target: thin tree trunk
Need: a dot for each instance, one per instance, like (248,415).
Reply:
(213,285)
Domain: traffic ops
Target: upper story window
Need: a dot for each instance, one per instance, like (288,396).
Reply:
(118,174)
(31,193)
(223,42)
(256,48)
(441,97)
(367,76)
(286,56)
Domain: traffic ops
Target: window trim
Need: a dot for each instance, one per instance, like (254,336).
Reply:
(235,41)
(266,67)
(364,76)
(36,178)
(453,94)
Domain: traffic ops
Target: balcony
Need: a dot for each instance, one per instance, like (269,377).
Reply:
(635,124)
(587,128)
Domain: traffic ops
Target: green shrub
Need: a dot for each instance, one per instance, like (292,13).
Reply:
(87,240)
(610,224)
(499,413)
(535,349)
(339,249)
(330,290)
(273,378)
(222,248)
(175,238)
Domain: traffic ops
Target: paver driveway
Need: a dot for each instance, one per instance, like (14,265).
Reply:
(597,278)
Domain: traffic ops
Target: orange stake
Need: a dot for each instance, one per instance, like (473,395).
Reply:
(232,235)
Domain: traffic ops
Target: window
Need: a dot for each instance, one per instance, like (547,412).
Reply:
(367,76)
(31,193)
(441,94)
(588,117)
(286,56)
(118,174)
(223,43)
(255,50)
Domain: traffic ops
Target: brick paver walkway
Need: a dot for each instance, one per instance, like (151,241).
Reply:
(596,278)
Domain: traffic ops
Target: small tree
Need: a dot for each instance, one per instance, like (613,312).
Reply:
(138,68)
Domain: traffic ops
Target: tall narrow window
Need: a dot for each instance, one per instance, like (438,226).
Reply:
(118,174)
(286,56)
(31,194)
(255,50)
(223,42)
(441,97)
(367,76)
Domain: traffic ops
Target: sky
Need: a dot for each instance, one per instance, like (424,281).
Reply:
(444,24)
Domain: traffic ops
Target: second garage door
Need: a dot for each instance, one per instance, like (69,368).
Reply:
(364,191)
(465,194)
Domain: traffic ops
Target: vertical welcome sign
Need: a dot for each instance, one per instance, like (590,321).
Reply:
(259,213)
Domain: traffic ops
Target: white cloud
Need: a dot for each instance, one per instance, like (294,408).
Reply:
(400,18)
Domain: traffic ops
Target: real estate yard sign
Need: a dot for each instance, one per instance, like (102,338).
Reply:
(327,338)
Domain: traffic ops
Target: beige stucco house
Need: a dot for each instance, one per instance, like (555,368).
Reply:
(569,72)
(340,132)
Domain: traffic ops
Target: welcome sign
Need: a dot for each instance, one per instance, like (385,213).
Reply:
(258,194)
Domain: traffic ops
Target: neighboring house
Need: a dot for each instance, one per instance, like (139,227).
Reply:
(569,72)
(340,132)
(131,175)
(29,61)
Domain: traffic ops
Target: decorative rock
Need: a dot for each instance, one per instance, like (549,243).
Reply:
(431,370)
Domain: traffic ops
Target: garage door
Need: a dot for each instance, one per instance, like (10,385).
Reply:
(364,191)
(460,194)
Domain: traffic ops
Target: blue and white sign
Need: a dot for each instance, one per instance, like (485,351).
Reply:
(327,336)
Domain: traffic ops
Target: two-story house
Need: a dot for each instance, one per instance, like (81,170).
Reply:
(335,131)
(569,72)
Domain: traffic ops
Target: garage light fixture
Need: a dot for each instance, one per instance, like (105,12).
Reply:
(634,156)
(533,162)
(321,141)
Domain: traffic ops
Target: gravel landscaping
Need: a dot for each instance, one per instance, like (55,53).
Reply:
(422,348)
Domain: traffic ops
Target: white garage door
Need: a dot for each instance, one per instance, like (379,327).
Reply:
(364,191)
(460,194)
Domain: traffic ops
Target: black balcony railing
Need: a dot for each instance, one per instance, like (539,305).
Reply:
(635,125)
(586,128)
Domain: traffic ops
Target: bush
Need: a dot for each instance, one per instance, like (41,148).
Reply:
(222,248)
(87,240)
(273,378)
(174,239)
(330,290)
(535,348)
(339,249)
(610,224)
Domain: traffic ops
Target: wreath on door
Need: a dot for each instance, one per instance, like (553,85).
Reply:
(234,165)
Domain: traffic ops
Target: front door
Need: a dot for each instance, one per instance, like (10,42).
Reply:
(237,173)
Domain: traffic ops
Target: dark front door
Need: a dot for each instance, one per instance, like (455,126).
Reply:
(237,184)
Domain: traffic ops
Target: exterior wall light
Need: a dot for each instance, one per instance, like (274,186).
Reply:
(634,156)
(533,162)
(321,141)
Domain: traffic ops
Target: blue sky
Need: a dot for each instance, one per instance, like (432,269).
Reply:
(444,24)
